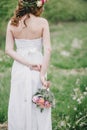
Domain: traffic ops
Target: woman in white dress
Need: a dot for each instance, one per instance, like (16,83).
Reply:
(30,33)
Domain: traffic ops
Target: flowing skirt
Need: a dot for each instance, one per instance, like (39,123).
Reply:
(22,113)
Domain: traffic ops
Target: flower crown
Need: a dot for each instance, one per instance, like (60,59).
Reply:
(38,3)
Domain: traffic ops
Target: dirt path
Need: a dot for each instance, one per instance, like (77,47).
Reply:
(73,71)
(80,71)
(3,126)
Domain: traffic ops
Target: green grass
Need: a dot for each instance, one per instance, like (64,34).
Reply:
(64,37)
(4,95)
(67,71)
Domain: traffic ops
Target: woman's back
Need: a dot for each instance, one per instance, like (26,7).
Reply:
(32,29)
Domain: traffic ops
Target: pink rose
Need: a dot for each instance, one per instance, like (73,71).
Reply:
(47,104)
(35,99)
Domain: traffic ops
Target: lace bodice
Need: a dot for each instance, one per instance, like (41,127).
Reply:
(30,49)
(29,44)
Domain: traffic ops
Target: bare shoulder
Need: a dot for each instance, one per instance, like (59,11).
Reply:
(10,27)
(43,21)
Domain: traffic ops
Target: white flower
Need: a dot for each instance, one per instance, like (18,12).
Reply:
(76,89)
(73,126)
(85,93)
(86,88)
(75,108)
(39,3)
(81,97)
(62,123)
(79,101)
(74,98)
(80,113)
(68,107)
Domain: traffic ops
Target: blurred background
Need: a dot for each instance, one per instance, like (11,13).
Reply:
(68,67)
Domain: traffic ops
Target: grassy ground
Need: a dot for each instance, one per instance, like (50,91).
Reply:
(67,72)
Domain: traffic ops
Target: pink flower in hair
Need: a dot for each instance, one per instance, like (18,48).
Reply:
(43,1)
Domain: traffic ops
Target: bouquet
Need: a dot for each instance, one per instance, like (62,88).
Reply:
(43,98)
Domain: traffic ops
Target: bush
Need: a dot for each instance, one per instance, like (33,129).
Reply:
(62,10)
(55,10)
(6,9)
(76,118)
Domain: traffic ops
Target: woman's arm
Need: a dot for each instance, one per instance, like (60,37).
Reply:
(47,50)
(9,50)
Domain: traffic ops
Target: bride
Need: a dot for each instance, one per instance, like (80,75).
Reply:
(30,33)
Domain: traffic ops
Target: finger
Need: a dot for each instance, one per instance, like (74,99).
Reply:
(45,84)
(35,68)
(39,67)
(34,65)
(48,84)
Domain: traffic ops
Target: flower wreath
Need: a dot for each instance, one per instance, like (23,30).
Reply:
(38,3)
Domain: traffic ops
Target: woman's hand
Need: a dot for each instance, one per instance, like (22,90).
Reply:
(45,83)
(35,67)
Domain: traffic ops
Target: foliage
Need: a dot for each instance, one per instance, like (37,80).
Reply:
(6,9)
(77,120)
(66,10)
(70,45)
(4,96)
(55,10)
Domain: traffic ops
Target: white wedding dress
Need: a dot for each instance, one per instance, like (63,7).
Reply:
(22,113)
